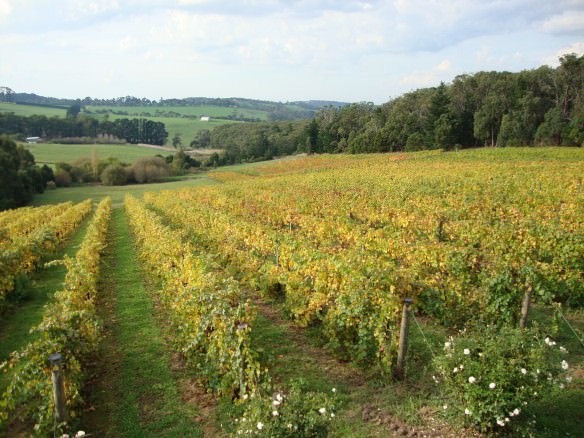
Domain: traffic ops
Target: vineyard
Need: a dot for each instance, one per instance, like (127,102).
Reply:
(29,235)
(335,244)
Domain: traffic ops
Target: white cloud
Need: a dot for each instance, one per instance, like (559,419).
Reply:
(426,78)
(554,60)
(128,43)
(566,23)
(5,8)
(347,50)
(418,79)
(82,9)
(443,66)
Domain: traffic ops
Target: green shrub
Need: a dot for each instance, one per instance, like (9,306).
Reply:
(62,178)
(299,413)
(489,376)
(114,175)
(149,169)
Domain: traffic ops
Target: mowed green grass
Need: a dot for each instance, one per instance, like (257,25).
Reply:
(69,153)
(31,110)
(190,111)
(187,128)
(117,193)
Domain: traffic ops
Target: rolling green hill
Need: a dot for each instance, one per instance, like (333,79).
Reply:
(31,110)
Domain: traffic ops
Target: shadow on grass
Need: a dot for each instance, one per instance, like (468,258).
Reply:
(560,415)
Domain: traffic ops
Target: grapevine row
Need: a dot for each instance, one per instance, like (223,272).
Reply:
(23,254)
(29,220)
(208,312)
(70,326)
(358,325)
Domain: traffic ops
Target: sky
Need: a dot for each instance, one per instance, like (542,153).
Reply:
(351,51)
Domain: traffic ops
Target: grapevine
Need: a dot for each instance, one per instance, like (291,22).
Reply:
(70,326)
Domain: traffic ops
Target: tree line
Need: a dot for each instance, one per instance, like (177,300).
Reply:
(137,130)
(20,177)
(543,106)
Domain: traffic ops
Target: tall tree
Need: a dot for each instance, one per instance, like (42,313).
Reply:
(438,107)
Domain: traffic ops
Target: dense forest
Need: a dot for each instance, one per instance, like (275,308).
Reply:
(77,125)
(544,106)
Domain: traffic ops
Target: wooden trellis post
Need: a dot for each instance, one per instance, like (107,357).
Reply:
(56,361)
(403,340)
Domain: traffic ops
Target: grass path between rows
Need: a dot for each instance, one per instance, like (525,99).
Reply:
(16,324)
(368,405)
(135,391)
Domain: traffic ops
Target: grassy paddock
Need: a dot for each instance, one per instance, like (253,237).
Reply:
(69,153)
(187,128)
(31,110)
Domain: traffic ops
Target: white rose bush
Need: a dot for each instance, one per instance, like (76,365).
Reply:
(295,413)
(490,377)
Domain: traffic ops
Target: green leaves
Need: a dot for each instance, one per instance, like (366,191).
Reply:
(491,375)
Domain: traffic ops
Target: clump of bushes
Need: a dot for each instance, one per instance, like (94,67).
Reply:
(114,175)
(111,171)
(148,169)
(491,375)
(62,178)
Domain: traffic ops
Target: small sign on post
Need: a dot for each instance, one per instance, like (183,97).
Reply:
(403,340)
(56,361)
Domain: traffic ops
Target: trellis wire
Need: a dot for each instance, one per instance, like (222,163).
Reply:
(424,336)
(571,328)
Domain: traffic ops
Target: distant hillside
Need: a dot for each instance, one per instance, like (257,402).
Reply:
(270,110)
